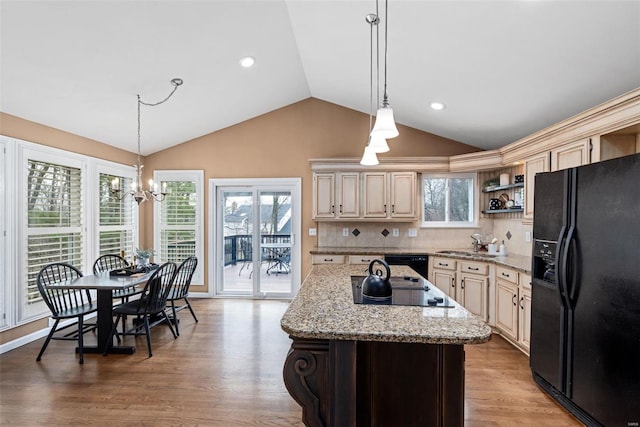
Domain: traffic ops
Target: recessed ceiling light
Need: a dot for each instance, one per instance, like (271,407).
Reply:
(247,61)
(438,106)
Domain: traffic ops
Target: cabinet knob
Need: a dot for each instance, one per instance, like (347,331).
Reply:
(473,268)
(514,299)
(522,303)
(462,284)
(443,264)
(328,259)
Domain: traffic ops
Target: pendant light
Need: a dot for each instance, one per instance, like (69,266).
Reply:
(374,145)
(385,125)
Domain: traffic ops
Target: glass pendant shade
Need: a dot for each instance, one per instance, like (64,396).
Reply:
(378,144)
(369,157)
(385,126)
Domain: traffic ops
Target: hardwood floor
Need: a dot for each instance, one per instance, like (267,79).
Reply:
(225,370)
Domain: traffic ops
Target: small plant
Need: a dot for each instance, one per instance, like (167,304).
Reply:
(145,253)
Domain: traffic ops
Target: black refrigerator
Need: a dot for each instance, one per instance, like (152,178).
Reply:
(585,301)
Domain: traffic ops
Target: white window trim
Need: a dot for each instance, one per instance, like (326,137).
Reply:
(451,224)
(196,176)
(109,168)
(15,153)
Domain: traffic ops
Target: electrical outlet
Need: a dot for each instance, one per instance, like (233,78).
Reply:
(312,232)
(412,232)
(395,232)
(345,232)
(527,236)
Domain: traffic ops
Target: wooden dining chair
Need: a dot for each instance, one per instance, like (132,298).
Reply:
(180,289)
(65,304)
(152,301)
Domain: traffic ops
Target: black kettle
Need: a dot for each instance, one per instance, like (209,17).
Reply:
(375,285)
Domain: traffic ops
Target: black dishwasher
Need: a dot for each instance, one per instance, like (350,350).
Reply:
(418,262)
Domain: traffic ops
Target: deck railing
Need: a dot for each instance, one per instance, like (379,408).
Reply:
(239,247)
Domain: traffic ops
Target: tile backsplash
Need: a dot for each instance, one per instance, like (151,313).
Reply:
(381,235)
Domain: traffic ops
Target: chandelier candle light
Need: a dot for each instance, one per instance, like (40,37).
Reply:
(137,191)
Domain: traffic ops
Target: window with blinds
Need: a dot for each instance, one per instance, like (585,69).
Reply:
(116,218)
(54,219)
(178,221)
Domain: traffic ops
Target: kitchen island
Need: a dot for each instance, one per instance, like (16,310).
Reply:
(360,365)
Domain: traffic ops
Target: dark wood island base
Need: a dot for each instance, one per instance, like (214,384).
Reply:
(376,383)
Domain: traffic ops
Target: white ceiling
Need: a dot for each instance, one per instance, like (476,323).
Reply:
(504,68)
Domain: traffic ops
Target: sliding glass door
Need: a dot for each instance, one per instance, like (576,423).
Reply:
(255,230)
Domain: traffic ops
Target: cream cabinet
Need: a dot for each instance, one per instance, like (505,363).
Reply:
(532,166)
(473,288)
(570,155)
(442,273)
(467,282)
(524,311)
(327,259)
(364,196)
(389,195)
(507,308)
(363,259)
(336,195)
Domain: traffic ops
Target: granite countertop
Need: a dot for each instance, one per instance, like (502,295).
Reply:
(324,309)
(520,263)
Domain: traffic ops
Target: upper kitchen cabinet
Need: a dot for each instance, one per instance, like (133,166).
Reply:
(621,142)
(336,195)
(532,166)
(345,191)
(389,195)
(570,155)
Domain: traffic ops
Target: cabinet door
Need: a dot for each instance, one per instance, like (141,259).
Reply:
(475,294)
(571,155)
(533,165)
(507,308)
(375,194)
(402,194)
(327,259)
(445,281)
(524,318)
(323,195)
(348,195)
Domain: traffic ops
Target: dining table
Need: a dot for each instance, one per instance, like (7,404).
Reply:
(105,284)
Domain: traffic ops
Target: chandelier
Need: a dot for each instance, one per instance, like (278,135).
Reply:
(137,191)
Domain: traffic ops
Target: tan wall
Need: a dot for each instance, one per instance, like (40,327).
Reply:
(279,145)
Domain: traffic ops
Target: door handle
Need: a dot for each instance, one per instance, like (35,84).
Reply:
(462,284)
(515,297)
(521,303)
(473,269)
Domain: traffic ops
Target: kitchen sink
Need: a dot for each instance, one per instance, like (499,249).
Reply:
(468,253)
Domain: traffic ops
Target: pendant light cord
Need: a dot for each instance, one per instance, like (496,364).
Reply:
(385,101)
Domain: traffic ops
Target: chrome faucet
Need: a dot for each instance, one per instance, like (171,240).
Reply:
(476,242)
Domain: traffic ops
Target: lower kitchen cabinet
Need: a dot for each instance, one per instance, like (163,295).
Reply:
(443,275)
(327,259)
(513,306)
(507,308)
(467,282)
(524,316)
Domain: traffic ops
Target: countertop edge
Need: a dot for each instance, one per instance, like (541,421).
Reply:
(515,262)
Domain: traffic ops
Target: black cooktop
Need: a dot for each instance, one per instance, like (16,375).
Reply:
(405,290)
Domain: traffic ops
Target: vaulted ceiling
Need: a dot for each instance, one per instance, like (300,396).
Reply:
(504,69)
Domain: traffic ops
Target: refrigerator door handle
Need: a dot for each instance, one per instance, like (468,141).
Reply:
(561,267)
(572,274)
